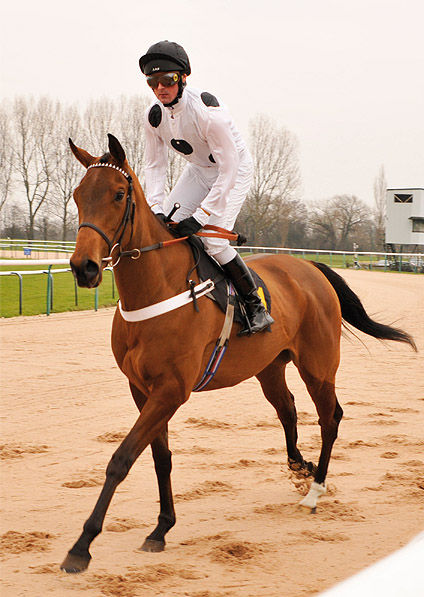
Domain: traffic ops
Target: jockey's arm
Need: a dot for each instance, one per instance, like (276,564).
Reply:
(222,143)
(156,164)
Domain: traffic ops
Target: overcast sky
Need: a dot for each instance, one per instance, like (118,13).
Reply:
(345,76)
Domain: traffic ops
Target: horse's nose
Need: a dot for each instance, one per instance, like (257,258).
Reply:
(86,273)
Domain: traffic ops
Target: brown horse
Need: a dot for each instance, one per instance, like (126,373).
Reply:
(165,355)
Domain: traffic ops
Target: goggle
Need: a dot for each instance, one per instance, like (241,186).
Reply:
(166,79)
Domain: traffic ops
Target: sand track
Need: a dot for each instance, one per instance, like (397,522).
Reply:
(65,407)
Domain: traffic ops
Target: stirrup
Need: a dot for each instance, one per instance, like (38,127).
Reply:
(263,326)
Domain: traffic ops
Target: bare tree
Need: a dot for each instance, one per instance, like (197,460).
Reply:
(276,181)
(379,213)
(34,153)
(6,155)
(100,118)
(336,220)
(13,220)
(68,171)
(130,130)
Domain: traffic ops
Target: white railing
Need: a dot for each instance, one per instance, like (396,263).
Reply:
(413,262)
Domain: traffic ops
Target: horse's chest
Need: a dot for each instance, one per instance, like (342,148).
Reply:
(137,360)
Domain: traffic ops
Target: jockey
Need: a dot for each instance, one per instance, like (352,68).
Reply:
(217,178)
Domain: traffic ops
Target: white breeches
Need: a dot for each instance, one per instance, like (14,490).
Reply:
(193,186)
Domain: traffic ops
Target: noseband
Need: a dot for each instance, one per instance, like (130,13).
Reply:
(128,214)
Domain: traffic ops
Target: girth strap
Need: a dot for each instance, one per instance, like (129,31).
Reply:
(167,305)
(221,344)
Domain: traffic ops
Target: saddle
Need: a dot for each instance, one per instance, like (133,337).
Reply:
(208,268)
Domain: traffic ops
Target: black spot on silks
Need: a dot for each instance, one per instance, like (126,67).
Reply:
(211,159)
(209,99)
(155,116)
(182,146)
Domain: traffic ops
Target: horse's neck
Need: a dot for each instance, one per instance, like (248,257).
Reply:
(157,274)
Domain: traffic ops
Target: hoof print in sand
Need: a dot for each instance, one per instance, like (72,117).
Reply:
(204,490)
(15,542)
(8,451)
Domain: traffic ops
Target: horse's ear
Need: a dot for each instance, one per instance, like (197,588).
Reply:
(82,156)
(116,150)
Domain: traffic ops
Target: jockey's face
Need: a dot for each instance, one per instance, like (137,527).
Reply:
(164,92)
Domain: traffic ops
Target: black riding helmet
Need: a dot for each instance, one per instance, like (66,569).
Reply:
(166,56)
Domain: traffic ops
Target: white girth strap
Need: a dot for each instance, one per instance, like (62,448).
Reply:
(167,305)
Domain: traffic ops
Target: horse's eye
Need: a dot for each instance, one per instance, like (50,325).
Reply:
(119,196)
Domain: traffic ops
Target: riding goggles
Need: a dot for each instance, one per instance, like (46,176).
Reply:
(165,79)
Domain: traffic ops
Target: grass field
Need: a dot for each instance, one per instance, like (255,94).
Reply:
(34,293)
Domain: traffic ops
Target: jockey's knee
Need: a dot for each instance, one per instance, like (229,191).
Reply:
(223,254)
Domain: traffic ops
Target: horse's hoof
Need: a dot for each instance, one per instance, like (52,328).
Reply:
(306,469)
(311,499)
(73,564)
(153,546)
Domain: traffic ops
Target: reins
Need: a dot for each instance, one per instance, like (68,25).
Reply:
(216,232)
(209,231)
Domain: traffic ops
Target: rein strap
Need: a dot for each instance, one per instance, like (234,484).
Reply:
(135,253)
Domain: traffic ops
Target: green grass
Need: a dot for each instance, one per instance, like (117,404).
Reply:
(34,293)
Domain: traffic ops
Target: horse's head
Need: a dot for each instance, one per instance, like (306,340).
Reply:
(105,209)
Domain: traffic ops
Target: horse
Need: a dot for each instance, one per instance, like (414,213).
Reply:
(165,353)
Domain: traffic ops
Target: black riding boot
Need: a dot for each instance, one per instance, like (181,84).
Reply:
(245,285)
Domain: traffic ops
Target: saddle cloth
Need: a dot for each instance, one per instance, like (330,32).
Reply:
(208,267)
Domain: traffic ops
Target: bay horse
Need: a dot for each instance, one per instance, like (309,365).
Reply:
(164,355)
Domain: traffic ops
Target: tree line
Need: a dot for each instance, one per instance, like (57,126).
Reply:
(38,174)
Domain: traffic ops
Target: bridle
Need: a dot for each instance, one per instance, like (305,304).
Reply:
(128,216)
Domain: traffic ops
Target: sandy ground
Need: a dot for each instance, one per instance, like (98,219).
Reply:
(65,405)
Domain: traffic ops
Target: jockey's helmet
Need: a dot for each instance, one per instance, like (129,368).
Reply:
(165,56)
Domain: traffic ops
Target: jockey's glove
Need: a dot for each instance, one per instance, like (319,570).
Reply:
(162,217)
(188,226)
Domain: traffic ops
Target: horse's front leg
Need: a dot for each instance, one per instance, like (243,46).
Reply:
(166,520)
(162,458)
(153,418)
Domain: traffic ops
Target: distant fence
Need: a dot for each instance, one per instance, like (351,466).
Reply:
(413,262)
(38,249)
(49,273)
(401,262)
(374,261)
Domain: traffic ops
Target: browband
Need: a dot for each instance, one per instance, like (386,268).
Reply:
(107,165)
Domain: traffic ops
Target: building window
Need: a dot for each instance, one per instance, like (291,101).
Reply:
(403,198)
(417,224)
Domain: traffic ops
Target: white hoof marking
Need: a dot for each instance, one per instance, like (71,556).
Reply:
(316,490)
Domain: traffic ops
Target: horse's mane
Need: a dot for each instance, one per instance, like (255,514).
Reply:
(105,158)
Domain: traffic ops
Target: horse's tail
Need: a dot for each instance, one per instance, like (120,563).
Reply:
(353,311)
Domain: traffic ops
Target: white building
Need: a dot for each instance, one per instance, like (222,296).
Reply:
(405,216)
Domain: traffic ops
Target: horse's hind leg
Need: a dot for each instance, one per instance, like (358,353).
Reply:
(273,382)
(330,414)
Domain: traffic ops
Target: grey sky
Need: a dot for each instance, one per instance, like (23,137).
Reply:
(346,76)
